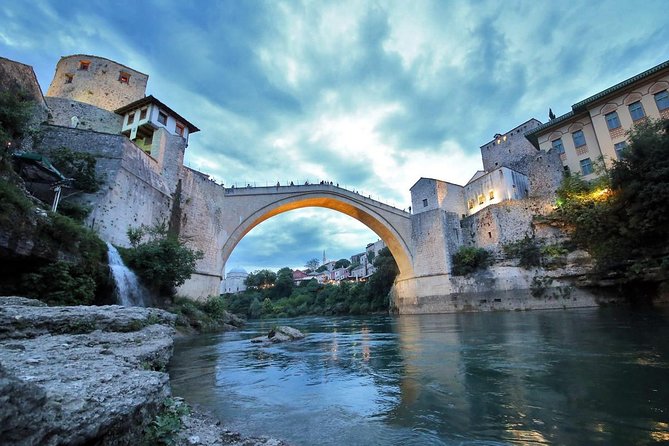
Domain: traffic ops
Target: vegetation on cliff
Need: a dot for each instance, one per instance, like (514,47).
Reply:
(469,259)
(160,258)
(274,295)
(44,254)
(622,218)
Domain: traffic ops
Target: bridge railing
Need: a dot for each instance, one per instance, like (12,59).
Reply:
(282,186)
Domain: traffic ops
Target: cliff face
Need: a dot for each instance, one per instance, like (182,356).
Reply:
(80,375)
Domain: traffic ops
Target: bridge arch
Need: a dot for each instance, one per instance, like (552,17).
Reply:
(255,205)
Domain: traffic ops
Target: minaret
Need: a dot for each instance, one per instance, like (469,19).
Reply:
(324,260)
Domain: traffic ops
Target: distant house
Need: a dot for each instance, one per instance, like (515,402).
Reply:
(300,276)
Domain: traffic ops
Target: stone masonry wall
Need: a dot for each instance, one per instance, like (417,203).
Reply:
(430,238)
(90,117)
(508,222)
(99,85)
(132,193)
(545,173)
(202,205)
(507,149)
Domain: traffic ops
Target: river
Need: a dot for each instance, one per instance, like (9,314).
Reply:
(572,377)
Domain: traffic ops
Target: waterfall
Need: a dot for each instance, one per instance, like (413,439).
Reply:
(130,292)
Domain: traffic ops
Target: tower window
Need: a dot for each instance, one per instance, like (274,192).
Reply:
(124,77)
(84,65)
(424,202)
(142,113)
(162,118)
(492,195)
(68,78)
(180,129)
(131,118)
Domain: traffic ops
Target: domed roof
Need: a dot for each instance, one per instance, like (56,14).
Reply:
(237,270)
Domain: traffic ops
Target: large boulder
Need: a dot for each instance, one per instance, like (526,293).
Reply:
(81,375)
(278,334)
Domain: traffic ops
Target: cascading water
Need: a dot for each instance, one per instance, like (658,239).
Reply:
(130,292)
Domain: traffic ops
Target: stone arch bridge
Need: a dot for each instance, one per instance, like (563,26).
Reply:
(246,207)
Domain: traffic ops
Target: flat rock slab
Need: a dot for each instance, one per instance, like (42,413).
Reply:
(81,375)
(278,334)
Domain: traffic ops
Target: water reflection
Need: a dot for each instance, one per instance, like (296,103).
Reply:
(563,377)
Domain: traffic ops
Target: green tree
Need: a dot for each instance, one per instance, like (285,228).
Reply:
(640,182)
(283,286)
(342,263)
(16,109)
(163,262)
(260,279)
(622,218)
(78,166)
(312,264)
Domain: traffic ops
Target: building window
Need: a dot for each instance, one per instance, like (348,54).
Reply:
(162,118)
(470,204)
(579,138)
(636,111)
(557,145)
(612,120)
(620,148)
(567,171)
(68,78)
(424,202)
(492,195)
(662,100)
(142,113)
(124,77)
(586,166)
(180,129)
(84,65)
(481,199)
(131,118)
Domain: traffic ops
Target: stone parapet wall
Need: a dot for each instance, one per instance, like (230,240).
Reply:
(89,117)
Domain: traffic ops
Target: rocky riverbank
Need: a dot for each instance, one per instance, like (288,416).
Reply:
(90,375)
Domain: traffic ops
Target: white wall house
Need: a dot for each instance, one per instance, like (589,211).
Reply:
(143,117)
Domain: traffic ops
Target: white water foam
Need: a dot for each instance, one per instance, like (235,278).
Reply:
(130,292)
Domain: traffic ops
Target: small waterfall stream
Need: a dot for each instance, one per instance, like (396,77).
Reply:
(130,292)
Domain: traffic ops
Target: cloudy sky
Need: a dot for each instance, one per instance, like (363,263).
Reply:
(370,94)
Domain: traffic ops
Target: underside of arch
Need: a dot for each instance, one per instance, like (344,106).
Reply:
(393,239)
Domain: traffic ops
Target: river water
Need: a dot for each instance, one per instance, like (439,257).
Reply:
(573,377)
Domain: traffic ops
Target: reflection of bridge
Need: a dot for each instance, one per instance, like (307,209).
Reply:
(247,207)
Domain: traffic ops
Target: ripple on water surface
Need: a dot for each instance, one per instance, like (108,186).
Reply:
(555,377)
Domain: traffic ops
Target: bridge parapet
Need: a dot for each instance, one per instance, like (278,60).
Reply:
(311,188)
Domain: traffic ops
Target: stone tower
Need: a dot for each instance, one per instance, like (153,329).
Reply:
(97,81)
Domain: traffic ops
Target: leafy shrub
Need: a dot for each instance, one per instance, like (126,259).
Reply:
(79,166)
(527,251)
(73,210)
(16,109)
(163,262)
(167,423)
(14,204)
(469,259)
(60,283)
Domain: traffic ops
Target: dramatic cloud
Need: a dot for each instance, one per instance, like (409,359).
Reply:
(371,95)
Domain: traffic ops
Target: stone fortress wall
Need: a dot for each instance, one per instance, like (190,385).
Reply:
(70,113)
(97,81)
